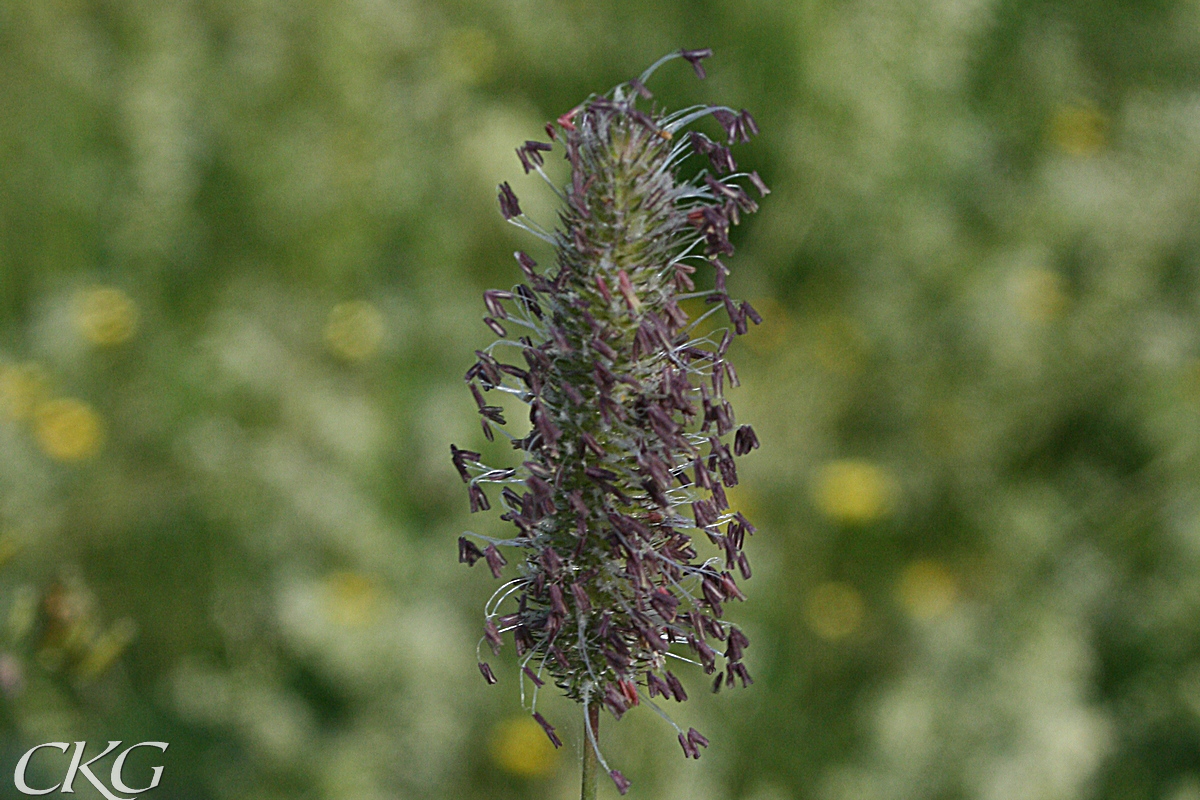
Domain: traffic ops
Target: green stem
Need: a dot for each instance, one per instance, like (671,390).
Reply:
(591,765)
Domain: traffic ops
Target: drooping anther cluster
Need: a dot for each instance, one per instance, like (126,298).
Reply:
(627,452)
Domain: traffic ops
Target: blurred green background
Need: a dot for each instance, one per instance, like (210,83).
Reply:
(242,247)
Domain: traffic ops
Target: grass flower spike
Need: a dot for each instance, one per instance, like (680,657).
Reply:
(631,440)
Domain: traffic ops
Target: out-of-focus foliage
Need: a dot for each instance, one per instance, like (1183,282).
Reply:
(242,246)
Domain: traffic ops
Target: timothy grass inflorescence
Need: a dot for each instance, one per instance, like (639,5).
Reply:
(629,446)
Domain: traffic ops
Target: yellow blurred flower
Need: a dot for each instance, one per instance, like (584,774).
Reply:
(834,610)
(1079,130)
(1039,294)
(519,746)
(926,589)
(468,55)
(21,388)
(854,491)
(68,429)
(351,598)
(354,330)
(105,316)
